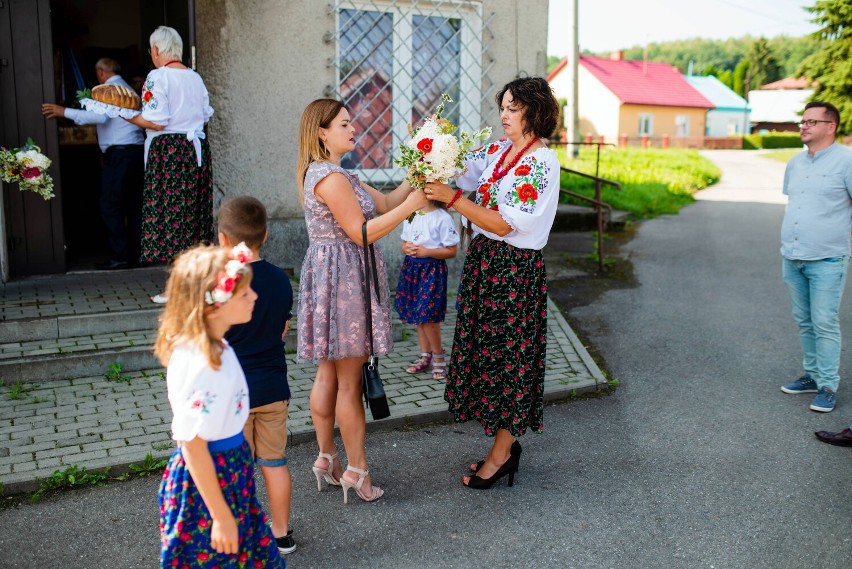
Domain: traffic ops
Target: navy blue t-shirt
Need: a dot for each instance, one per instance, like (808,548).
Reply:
(258,343)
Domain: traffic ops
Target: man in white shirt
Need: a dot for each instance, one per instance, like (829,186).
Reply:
(123,172)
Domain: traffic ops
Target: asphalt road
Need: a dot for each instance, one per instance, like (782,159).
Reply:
(697,460)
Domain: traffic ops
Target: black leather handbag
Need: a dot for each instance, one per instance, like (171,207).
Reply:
(371,383)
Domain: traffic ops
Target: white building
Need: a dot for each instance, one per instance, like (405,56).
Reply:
(731,115)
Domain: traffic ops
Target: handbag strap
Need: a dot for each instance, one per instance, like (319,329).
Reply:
(369,255)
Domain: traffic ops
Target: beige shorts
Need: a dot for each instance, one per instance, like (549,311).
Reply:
(266,432)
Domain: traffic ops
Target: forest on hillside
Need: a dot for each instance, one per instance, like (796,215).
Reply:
(761,60)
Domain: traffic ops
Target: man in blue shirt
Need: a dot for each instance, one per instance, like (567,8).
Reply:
(815,246)
(123,172)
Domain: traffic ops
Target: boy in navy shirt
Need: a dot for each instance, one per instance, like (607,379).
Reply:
(259,345)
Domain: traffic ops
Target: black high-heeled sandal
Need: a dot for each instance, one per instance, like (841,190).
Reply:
(514,450)
(509,467)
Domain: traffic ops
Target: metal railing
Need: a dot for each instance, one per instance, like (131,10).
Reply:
(596,201)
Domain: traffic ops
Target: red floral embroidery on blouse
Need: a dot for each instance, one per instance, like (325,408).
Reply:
(522,170)
(493,148)
(527,192)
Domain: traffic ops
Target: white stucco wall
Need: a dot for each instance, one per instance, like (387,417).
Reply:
(721,123)
(264,60)
(598,108)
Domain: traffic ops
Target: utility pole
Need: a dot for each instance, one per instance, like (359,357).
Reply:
(745,110)
(572,110)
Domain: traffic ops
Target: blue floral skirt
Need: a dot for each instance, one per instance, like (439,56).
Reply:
(496,370)
(421,293)
(185,522)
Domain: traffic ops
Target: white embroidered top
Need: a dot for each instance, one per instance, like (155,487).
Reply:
(178,100)
(526,197)
(431,230)
(206,403)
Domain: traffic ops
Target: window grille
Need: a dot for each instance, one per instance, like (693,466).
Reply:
(394,59)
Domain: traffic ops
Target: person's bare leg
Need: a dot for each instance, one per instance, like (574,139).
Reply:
(500,452)
(350,417)
(422,363)
(323,409)
(433,337)
(279,489)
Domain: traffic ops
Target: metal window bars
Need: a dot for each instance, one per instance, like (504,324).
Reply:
(394,60)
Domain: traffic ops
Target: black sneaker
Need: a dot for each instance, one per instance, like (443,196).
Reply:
(286,544)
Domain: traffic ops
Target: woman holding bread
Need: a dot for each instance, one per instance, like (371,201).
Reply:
(177,205)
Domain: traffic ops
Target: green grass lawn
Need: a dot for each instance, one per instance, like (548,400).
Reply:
(653,181)
(781,155)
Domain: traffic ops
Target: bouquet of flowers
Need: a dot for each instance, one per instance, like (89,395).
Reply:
(27,167)
(433,154)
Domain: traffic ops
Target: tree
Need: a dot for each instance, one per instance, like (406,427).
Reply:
(726,76)
(763,65)
(831,67)
(742,78)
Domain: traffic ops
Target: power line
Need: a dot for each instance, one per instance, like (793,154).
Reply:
(739,6)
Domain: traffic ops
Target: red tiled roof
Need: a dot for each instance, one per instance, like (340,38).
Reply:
(789,83)
(658,84)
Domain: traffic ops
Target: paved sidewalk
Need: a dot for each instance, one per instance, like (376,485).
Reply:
(95,423)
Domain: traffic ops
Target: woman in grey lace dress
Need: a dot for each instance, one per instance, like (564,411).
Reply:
(332,317)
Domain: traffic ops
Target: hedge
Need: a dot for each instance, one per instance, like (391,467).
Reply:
(772,140)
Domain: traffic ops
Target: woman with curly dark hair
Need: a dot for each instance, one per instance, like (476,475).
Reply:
(496,372)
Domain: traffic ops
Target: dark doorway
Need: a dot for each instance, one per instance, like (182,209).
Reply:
(83,31)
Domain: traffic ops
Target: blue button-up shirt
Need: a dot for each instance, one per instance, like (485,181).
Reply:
(818,218)
(111,132)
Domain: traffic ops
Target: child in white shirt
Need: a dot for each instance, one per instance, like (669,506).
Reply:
(428,239)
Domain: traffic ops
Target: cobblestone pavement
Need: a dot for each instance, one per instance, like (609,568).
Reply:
(95,422)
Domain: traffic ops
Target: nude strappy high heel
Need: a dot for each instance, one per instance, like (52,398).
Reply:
(325,473)
(362,474)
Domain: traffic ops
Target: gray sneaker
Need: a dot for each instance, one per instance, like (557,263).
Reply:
(802,385)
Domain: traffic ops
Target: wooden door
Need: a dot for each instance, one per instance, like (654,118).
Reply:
(34,231)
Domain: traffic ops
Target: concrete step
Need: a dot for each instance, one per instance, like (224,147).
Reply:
(582,218)
(78,356)
(71,326)
(44,360)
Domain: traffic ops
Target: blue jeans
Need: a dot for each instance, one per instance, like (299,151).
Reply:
(816,288)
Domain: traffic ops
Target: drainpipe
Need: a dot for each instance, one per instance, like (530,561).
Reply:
(190,10)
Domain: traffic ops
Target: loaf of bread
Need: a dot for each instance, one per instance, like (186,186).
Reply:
(117,95)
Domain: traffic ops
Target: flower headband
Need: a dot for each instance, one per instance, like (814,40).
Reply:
(226,280)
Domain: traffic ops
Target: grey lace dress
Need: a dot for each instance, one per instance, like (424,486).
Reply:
(332,315)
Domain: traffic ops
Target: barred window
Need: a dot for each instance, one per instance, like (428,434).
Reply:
(395,58)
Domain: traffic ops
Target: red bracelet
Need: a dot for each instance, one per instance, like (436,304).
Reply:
(455,198)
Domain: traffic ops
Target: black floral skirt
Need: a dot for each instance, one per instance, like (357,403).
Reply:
(496,371)
(177,202)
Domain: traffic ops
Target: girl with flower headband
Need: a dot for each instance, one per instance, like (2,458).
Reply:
(209,513)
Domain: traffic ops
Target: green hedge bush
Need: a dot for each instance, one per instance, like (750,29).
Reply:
(772,140)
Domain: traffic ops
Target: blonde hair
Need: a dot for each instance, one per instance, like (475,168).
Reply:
(194,272)
(318,114)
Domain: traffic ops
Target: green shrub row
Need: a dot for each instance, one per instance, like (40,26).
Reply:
(772,140)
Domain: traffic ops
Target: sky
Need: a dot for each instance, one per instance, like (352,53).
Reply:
(639,21)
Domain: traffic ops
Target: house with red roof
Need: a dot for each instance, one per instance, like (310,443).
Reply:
(636,100)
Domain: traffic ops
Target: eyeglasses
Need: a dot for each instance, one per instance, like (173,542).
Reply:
(810,122)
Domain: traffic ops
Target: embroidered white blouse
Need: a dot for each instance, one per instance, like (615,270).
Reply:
(526,197)
(432,230)
(178,100)
(206,403)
